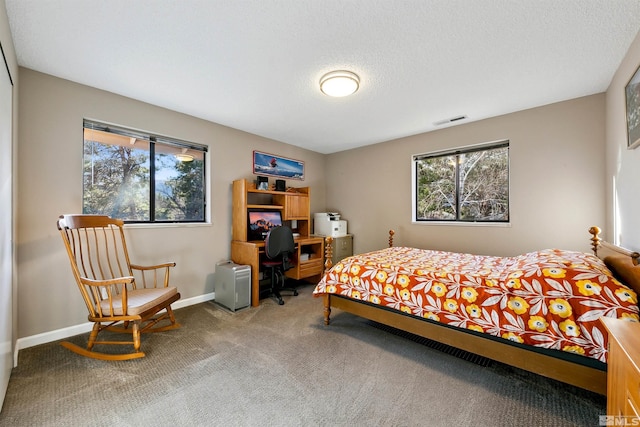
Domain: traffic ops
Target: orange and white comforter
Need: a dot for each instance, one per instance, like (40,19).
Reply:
(551,298)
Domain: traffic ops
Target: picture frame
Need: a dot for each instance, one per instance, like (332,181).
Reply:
(632,99)
(274,165)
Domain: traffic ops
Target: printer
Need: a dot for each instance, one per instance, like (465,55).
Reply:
(329,224)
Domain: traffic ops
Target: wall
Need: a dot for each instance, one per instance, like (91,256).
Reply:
(50,177)
(623,165)
(556,183)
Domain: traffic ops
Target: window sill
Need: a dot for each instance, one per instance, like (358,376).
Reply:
(169,225)
(464,224)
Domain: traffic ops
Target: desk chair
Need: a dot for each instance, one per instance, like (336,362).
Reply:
(278,247)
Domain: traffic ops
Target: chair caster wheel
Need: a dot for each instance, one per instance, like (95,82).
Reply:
(295,293)
(280,302)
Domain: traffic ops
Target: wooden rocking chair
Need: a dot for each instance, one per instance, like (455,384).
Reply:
(121,297)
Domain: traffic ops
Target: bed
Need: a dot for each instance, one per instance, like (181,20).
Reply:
(538,312)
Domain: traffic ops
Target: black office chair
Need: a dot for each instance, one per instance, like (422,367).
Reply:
(278,247)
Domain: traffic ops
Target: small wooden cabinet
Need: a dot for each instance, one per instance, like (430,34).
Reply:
(296,205)
(623,370)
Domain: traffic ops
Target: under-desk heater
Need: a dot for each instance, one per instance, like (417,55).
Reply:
(232,284)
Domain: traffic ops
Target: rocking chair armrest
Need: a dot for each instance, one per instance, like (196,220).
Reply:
(153,267)
(125,280)
(112,291)
(155,279)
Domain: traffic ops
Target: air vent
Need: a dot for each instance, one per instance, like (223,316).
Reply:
(451,120)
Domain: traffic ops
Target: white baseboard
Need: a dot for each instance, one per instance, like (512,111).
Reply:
(70,331)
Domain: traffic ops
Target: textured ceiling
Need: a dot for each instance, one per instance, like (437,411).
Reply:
(254,65)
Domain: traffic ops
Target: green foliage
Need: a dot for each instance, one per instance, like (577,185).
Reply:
(436,189)
(470,186)
(117,183)
(182,197)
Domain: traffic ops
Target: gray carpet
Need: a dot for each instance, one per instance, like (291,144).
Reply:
(280,366)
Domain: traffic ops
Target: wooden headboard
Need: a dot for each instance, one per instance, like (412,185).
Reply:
(622,262)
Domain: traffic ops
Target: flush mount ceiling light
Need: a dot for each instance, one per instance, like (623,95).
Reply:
(183,156)
(339,83)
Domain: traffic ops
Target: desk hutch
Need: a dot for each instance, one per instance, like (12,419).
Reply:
(294,205)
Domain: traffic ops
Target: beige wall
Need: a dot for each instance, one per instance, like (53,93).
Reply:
(623,165)
(50,176)
(556,183)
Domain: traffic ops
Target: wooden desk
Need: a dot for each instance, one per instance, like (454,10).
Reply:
(251,253)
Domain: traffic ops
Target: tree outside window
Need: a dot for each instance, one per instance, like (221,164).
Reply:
(141,178)
(465,185)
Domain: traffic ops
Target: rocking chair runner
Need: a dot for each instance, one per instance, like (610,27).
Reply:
(114,290)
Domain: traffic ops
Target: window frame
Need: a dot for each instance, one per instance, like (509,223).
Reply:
(504,143)
(152,139)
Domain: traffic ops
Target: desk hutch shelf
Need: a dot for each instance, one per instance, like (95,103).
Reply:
(294,205)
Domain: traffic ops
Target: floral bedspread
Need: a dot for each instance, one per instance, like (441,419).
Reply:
(551,298)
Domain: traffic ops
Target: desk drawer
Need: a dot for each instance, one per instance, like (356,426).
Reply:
(311,267)
(631,390)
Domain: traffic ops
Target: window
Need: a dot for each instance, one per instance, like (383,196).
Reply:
(140,177)
(464,185)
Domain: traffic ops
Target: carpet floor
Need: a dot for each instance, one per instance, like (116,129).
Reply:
(281,366)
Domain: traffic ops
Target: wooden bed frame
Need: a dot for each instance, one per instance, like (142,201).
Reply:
(586,377)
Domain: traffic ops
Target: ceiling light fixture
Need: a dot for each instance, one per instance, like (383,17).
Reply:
(183,156)
(339,83)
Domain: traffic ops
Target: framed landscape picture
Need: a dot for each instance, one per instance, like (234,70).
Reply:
(272,165)
(632,96)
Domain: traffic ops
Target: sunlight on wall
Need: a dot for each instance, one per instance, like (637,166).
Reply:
(617,227)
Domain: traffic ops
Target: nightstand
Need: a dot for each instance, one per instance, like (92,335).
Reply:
(623,371)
